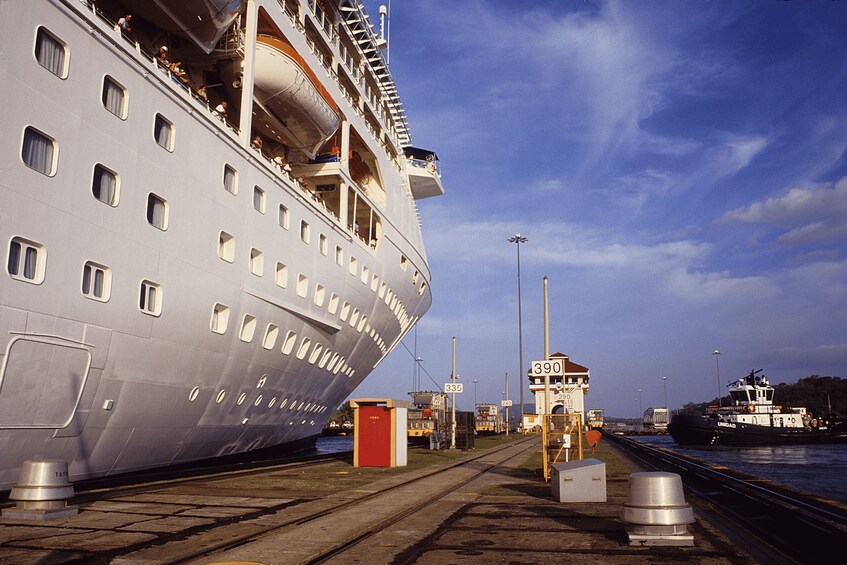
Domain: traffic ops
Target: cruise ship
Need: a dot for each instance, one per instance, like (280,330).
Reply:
(209,216)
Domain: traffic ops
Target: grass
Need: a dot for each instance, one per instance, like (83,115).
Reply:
(340,475)
(618,470)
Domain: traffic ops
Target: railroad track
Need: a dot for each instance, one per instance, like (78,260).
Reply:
(130,483)
(770,521)
(302,528)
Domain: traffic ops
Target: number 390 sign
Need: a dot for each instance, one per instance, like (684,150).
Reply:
(548,368)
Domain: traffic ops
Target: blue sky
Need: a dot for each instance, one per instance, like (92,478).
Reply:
(678,168)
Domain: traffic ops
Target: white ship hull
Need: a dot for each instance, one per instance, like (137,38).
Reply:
(261,319)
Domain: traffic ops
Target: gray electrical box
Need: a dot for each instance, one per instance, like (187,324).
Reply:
(579,481)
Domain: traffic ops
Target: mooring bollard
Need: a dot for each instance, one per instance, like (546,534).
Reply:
(42,491)
(655,510)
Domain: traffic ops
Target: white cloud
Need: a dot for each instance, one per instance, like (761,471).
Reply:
(808,215)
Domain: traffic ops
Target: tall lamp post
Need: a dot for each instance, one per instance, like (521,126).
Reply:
(716,353)
(517,239)
(474,393)
(417,384)
(665,385)
(640,413)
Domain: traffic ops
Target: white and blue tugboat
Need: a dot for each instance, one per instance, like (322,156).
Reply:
(753,419)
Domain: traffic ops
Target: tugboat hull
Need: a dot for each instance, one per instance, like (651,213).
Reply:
(707,431)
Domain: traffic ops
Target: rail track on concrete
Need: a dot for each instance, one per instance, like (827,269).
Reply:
(476,468)
(122,485)
(146,523)
(771,521)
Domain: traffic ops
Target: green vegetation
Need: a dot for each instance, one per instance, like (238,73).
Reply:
(810,392)
(341,475)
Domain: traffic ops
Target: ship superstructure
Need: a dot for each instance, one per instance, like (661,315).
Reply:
(209,219)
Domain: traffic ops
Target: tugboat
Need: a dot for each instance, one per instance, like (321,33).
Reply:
(754,420)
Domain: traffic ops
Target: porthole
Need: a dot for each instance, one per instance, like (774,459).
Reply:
(256,262)
(320,292)
(258,400)
(281,275)
(241,398)
(226,247)
(163,132)
(248,328)
(304,348)
(230,180)
(316,352)
(288,342)
(39,152)
(51,53)
(302,285)
(262,381)
(114,97)
(220,318)
(272,402)
(271,333)
(192,396)
(220,397)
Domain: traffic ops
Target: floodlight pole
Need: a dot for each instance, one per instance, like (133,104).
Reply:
(517,239)
(716,353)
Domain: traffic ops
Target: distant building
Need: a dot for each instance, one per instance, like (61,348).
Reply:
(567,394)
(655,419)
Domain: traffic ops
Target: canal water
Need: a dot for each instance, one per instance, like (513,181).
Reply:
(815,469)
(334,444)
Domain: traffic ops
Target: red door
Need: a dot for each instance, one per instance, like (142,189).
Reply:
(374,436)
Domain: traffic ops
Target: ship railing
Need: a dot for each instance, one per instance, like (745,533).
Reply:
(175,80)
(326,25)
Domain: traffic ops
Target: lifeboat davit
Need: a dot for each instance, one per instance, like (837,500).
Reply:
(286,87)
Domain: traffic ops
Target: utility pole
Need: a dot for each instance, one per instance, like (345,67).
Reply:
(546,351)
(453,378)
(507,404)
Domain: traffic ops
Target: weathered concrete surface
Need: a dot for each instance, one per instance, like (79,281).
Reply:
(504,516)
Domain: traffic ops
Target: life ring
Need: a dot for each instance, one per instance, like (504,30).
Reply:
(751,408)
(793,419)
(430,167)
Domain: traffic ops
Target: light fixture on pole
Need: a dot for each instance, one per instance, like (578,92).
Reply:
(517,239)
(665,385)
(474,393)
(716,353)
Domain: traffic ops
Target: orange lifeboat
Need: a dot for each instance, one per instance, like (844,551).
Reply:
(286,87)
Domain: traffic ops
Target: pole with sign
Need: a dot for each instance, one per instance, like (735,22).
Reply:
(547,368)
(453,383)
